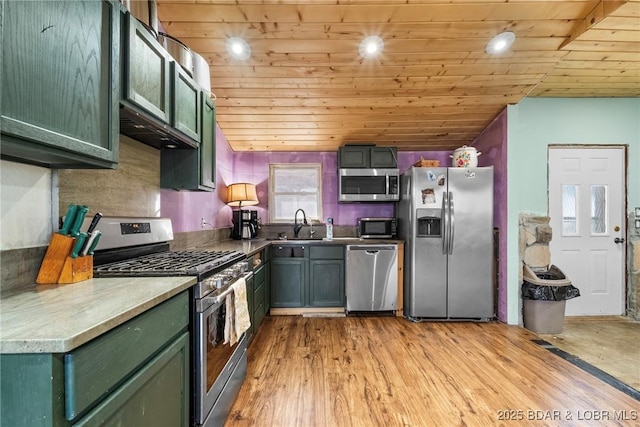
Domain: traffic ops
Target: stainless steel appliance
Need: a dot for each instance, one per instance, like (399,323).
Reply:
(371,277)
(368,185)
(446,221)
(132,247)
(377,228)
(245,224)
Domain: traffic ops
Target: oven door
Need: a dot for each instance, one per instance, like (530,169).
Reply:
(217,365)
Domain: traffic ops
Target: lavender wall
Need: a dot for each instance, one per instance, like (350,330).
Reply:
(254,167)
(492,143)
(185,208)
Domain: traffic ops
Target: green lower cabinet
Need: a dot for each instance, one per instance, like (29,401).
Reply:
(326,283)
(137,374)
(312,276)
(288,279)
(158,395)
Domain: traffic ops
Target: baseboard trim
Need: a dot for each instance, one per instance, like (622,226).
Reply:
(302,311)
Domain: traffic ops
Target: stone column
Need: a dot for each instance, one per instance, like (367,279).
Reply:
(535,235)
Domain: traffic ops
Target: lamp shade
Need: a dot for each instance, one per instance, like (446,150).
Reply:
(242,194)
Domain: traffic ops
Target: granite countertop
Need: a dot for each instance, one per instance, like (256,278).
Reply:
(59,318)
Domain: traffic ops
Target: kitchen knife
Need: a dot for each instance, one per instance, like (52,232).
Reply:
(96,237)
(68,219)
(78,245)
(77,222)
(88,242)
(94,222)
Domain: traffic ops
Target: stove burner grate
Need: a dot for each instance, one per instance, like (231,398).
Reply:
(183,263)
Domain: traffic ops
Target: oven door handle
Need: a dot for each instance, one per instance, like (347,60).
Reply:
(219,298)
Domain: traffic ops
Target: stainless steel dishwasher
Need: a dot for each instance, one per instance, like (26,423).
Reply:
(372,277)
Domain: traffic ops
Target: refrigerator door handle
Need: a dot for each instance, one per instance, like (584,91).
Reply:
(452,223)
(445,216)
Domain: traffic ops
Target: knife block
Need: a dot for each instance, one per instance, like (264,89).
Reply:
(59,268)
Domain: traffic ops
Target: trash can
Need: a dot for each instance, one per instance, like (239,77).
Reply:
(545,294)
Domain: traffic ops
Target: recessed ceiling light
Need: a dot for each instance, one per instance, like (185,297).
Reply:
(500,43)
(371,47)
(238,48)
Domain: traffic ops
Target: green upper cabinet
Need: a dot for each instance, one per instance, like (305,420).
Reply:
(160,102)
(367,156)
(61,83)
(146,81)
(193,170)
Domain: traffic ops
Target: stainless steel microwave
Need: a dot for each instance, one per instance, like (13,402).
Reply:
(368,185)
(377,228)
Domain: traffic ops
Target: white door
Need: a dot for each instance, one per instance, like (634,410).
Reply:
(586,210)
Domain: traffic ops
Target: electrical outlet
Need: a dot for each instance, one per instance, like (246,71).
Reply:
(202,222)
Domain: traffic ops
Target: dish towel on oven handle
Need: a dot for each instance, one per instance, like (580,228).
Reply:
(237,312)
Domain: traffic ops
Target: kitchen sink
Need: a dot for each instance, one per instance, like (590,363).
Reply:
(297,239)
(310,239)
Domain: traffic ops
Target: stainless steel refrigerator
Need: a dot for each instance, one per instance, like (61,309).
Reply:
(446,220)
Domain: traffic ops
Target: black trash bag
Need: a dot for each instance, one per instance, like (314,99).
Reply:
(549,293)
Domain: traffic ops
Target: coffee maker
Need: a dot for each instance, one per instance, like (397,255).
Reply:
(245,224)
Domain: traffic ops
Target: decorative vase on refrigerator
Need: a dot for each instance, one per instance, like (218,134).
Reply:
(446,220)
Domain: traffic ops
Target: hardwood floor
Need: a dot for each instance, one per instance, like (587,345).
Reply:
(609,343)
(384,371)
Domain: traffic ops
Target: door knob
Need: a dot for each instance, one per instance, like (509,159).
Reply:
(618,240)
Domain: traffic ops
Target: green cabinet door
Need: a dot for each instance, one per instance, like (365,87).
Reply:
(157,395)
(194,170)
(60,83)
(146,78)
(288,282)
(207,151)
(326,283)
(384,157)
(186,103)
(354,156)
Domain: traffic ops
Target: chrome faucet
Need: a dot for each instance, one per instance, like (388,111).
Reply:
(297,227)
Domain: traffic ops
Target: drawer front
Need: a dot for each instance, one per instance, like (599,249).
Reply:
(282,251)
(327,252)
(95,369)
(259,275)
(258,295)
(289,251)
(258,316)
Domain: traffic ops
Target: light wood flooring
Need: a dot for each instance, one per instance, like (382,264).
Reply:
(610,343)
(383,371)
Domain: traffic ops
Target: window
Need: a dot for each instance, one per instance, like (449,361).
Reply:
(295,186)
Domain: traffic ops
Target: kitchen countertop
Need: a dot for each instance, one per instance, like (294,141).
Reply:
(59,318)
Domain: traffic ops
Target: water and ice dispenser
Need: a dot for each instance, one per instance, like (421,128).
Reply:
(429,223)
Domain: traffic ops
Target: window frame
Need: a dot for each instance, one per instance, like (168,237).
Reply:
(273,167)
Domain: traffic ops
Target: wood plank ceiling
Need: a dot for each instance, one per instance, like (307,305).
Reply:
(306,88)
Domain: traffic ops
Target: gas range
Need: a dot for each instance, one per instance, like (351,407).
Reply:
(139,247)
